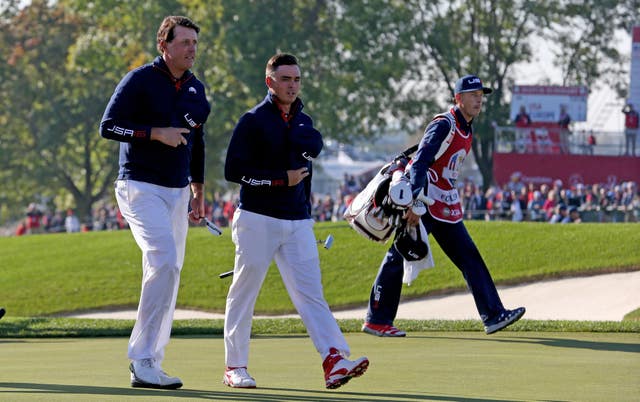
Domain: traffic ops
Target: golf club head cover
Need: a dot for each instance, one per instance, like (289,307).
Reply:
(305,143)
(192,107)
(400,190)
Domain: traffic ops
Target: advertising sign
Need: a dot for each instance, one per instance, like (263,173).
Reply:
(571,169)
(543,102)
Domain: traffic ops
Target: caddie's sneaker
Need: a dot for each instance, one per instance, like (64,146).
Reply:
(146,373)
(238,377)
(338,370)
(382,330)
(503,320)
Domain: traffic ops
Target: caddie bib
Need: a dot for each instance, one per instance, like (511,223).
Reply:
(443,174)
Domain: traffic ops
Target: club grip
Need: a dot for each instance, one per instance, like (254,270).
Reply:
(225,274)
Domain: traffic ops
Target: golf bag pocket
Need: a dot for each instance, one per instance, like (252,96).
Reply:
(365,213)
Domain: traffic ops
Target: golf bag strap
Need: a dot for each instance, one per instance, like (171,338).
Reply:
(407,152)
(452,130)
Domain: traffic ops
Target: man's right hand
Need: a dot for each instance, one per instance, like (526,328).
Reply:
(171,136)
(296,176)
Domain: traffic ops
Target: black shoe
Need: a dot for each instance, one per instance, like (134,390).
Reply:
(506,318)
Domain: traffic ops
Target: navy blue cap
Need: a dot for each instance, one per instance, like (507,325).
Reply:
(470,83)
(306,143)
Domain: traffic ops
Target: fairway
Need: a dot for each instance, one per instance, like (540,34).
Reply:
(425,366)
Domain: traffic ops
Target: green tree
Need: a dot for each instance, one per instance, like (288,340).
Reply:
(64,59)
(586,52)
(490,37)
(486,38)
(367,66)
(36,109)
(351,59)
(117,37)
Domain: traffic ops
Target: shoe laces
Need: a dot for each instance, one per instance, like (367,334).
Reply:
(150,363)
(240,371)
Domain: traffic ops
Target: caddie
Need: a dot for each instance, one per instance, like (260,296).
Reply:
(434,170)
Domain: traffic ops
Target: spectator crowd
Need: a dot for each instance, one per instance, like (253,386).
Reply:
(553,203)
(515,201)
(40,219)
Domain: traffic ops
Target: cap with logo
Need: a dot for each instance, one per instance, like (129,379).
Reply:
(470,83)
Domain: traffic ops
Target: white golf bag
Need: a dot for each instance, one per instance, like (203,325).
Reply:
(369,213)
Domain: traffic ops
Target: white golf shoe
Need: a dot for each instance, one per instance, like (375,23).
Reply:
(238,377)
(146,373)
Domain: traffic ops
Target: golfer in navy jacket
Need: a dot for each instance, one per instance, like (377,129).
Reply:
(270,155)
(157,114)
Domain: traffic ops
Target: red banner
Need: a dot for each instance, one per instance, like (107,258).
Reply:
(571,169)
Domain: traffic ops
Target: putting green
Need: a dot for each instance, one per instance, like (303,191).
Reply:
(426,366)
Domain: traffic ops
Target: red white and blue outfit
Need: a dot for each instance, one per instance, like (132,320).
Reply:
(435,168)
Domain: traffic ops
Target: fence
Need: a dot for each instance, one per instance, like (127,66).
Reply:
(545,140)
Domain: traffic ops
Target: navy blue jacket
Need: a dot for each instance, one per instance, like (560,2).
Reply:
(149,97)
(258,158)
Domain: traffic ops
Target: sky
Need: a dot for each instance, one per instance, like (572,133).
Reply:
(603,106)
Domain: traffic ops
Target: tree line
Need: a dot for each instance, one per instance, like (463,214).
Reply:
(366,65)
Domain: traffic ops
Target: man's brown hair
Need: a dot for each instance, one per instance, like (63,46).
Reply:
(165,32)
(280,59)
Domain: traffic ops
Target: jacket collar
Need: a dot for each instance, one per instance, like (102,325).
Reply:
(160,64)
(462,122)
(296,107)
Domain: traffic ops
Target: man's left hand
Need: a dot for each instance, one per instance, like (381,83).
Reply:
(412,218)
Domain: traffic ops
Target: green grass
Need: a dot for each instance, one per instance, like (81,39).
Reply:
(46,327)
(47,275)
(427,366)
(61,359)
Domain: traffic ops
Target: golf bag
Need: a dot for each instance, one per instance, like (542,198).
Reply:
(371,210)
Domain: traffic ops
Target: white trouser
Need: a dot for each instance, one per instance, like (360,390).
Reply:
(157,217)
(259,239)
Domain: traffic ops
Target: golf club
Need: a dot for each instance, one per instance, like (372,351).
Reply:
(211,227)
(327,243)
(215,230)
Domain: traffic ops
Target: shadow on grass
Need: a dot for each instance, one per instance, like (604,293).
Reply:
(364,396)
(555,342)
(580,344)
(280,394)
